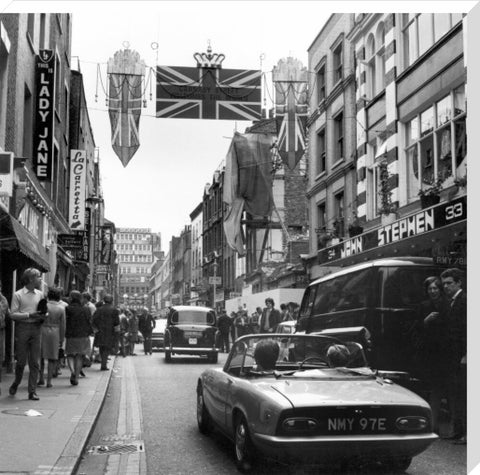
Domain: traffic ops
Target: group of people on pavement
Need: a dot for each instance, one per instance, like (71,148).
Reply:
(442,349)
(52,329)
(264,320)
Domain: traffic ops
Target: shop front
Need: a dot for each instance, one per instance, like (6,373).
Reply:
(438,232)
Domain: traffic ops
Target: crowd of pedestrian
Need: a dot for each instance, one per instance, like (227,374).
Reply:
(59,332)
(264,320)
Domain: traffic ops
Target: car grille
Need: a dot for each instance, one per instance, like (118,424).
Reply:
(348,420)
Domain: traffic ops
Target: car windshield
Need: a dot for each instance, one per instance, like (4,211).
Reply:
(282,354)
(193,317)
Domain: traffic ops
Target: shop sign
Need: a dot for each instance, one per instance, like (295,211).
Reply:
(416,224)
(44,116)
(106,245)
(83,254)
(6,174)
(78,173)
(70,242)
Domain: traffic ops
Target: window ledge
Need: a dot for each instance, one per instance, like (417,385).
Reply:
(338,162)
(321,175)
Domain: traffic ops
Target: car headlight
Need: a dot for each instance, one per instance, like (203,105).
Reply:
(411,423)
(300,424)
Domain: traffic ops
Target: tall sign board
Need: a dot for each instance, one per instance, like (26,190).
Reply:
(78,173)
(44,115)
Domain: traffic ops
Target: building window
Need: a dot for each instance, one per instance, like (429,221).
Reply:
(436,144)
(322,218)
(370,63)
(380,59)
(339,221)
(321,84)
(337,63)
(338,136)
(421,30)
(321,152)
(31,27)
(58,82)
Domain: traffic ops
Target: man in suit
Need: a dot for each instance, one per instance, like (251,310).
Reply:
(106,324)
(271,317)
(456,317)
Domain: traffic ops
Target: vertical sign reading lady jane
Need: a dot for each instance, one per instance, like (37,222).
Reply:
(43,138)
(78,168)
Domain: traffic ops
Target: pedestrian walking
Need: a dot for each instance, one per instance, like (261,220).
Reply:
(232,326)
(106,325)
(456,348)
(122,335)
(146,324)
(241,322)
(270,317)
(132,332)
(224,323)
(61,362)
(4,314)
(28,320)
(53,332)
(77,334)
(87,301)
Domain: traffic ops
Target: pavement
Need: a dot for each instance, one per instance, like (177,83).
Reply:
(48,436)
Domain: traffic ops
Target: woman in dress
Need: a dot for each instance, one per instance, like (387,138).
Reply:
(77,334)
(53,331)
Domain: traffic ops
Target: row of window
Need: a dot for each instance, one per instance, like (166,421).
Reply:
(134,270)
(133,247)
(134,258)
(133,237)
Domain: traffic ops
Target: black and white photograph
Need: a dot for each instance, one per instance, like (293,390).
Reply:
(233,237)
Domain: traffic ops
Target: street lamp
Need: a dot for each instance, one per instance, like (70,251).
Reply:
(125,297)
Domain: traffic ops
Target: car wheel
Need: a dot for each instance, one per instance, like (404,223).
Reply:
(399,464)
(168,356)
(203,417)
(213,357)
(244,450)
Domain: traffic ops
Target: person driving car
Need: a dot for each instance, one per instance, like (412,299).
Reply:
(266,355)
(337,355)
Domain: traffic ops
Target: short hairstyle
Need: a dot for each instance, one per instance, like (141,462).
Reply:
(75,296)
(338,355)
(107,298)
(53,294)
(454,273)
(266,354)
(87,296)
(29,274)
(283,306)
(269,299)
(432,280)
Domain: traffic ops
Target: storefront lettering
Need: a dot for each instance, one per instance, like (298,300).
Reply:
(407,227)
(352,246)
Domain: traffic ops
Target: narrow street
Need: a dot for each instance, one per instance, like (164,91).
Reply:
(150,410)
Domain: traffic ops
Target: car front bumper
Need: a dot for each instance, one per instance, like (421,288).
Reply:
(157,342)
(325,449)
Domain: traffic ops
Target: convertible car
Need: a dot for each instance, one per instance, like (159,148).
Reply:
(311,399)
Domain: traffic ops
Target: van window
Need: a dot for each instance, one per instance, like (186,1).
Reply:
(346,292)
(404,286)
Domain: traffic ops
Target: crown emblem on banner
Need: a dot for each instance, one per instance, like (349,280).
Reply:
(209,59)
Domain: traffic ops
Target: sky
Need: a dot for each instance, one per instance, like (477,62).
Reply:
(164,181)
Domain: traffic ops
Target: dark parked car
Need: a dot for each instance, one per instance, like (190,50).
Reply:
(191,331)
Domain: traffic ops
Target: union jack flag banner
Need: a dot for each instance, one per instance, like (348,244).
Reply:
(208,93)
(126,72)
(290,80)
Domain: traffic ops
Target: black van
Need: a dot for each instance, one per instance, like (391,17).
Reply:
(382,295)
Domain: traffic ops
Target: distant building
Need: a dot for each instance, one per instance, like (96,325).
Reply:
(135,258)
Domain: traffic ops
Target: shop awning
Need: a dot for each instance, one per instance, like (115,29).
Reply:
(14,237)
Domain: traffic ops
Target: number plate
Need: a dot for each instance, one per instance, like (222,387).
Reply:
(192,341)
(351,424)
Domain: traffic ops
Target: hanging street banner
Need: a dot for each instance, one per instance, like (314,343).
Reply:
(126,73)
(291,101)
(208,93)
(78,174)
(44,115)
